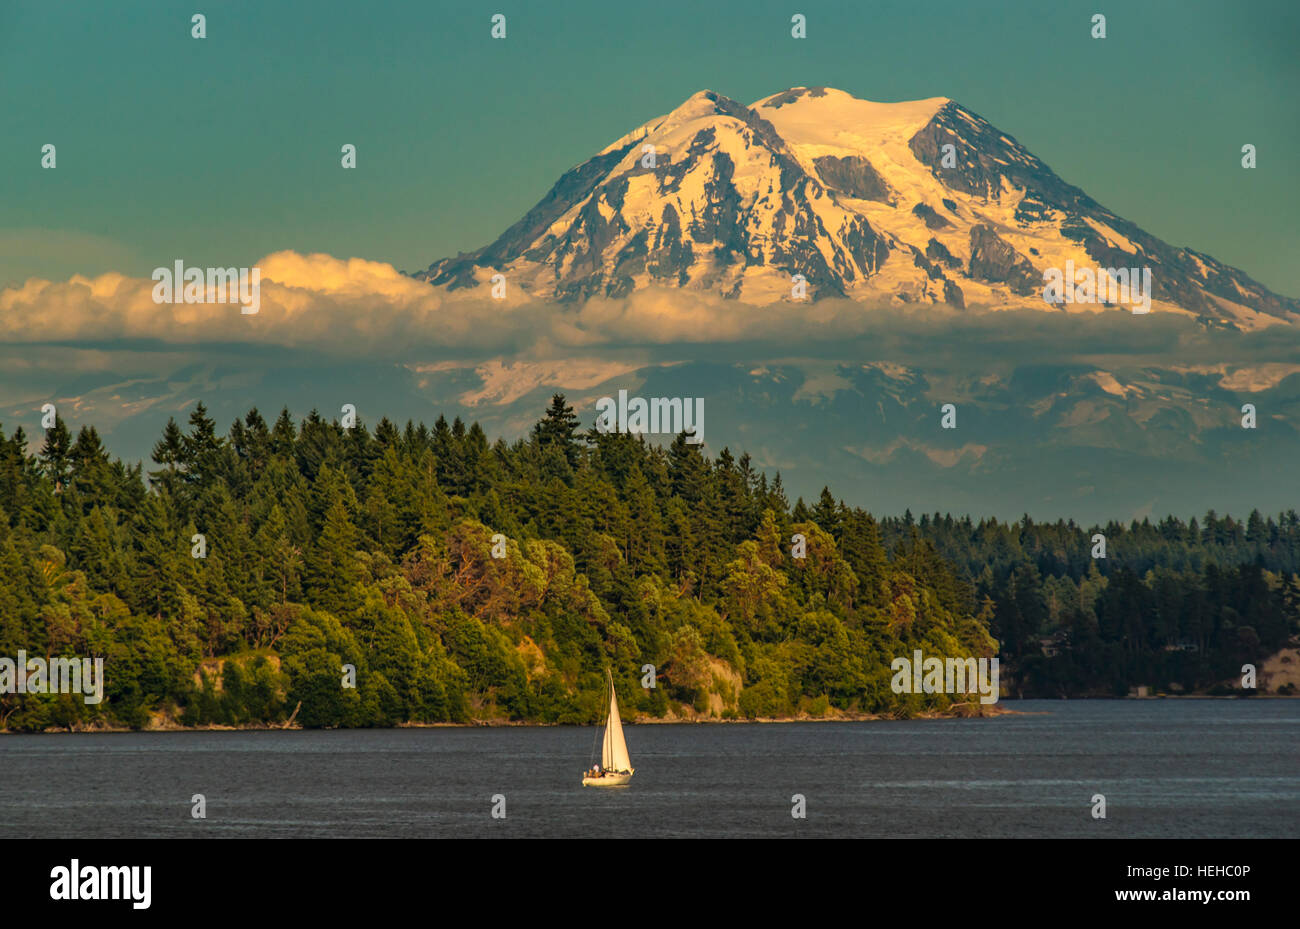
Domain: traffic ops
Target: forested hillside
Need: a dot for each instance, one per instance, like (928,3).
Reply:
(323,546)
(1173,605)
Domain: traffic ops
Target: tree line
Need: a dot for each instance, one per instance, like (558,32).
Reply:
(467,579)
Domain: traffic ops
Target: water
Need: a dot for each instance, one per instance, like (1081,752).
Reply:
(1168,768)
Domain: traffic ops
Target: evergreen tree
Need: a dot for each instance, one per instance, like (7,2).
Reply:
(558,428)
(55,452)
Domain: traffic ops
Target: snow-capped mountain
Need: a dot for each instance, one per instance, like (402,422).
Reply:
(863,199)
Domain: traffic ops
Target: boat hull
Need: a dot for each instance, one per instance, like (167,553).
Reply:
(609,780)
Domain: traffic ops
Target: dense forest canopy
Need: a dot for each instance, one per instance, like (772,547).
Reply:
(466,579)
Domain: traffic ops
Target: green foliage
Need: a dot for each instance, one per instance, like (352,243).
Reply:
(382,550)
(1172,604)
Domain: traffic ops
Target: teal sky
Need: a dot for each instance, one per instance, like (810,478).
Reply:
(218,151)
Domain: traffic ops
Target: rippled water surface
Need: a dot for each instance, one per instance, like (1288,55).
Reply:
(1194,768)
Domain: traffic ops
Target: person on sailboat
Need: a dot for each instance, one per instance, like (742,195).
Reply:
(615,767)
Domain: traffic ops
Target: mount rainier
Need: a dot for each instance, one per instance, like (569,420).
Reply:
(853,195)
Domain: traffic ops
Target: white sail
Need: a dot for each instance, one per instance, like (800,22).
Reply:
(613,754)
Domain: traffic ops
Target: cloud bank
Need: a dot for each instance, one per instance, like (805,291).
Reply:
(361,309)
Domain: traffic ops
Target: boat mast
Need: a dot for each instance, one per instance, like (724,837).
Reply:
(608,747)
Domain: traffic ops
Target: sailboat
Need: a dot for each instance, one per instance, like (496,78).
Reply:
(615,766)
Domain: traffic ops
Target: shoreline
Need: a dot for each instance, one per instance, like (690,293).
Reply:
(991,711)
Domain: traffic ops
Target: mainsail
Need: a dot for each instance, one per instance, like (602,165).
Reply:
(613,754)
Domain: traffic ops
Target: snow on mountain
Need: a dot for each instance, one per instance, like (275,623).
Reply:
(856,196)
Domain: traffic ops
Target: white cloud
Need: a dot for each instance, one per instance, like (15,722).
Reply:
(361,309)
